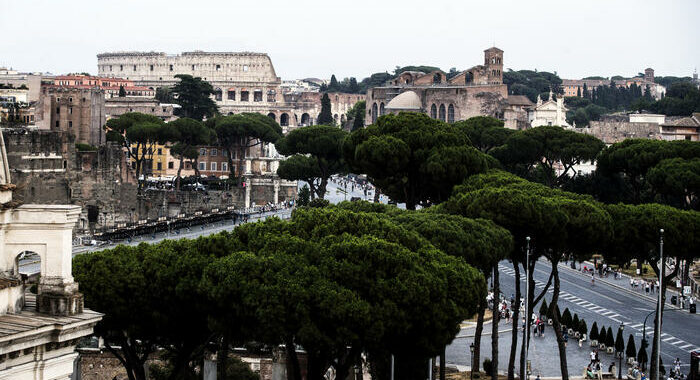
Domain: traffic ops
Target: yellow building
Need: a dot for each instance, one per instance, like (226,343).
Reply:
(157,165)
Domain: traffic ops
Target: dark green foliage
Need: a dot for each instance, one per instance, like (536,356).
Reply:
(544,309)
(631,350)
(566,319)
(412,158)
(609,338)
(81,147)
(619,341)
(304,196)
(193,96)
(138,133)
(642,355)
(488,367)
(240,132)
(531,83)
(484,132)
(575,322)
(165,95)
(533,153)
(186,134)
(583,328)
(677,182)
(357,115)
(326,116)
(122,92)
(603,335)
(319,203)
(315,155)
(593,335)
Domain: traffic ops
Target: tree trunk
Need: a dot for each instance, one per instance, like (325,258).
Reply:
(179,171)
(443,363)
(241,162)
(528,317)
(515,319)
(477,335)
(657,326)
(223,357)
(557,324)
(494,324)
(293,369)
(321,190)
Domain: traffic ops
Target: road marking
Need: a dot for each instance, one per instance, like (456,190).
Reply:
(686,346)
(637,325)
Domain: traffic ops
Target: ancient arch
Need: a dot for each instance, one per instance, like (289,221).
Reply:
(272,116)
(374,113)
(335,117)
(342,119)
(442,112)
(305,119)
(284,120)
(217,94)
(433,111)
(381,109)
(451,114)
(27,263)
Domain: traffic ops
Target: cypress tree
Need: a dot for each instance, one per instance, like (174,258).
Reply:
(333,86)
(544,309)
(610,338)
(619,341)
(593,335)
(122,92)
(326,117)
(631,347)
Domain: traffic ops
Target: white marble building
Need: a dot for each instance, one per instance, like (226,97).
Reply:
(549,112)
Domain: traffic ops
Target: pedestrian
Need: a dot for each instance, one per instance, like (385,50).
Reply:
(631,283)
(677,366)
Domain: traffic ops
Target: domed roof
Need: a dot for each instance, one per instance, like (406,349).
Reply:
(408,100)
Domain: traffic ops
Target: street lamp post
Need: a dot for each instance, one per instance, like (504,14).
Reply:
(620,353)
(644,332)
(471,371)
(526,333)
(660,305)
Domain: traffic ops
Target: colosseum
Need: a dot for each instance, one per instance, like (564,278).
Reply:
(243,82)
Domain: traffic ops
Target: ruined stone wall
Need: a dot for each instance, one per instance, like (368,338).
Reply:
(611,131)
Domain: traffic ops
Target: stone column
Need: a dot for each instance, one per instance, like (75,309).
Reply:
(276,184)
(247,192)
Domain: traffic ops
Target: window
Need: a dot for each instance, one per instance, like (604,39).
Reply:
(110,67)
(257,96)
(284,120)
(244,96)
(214,152)
(57,124)
(442,112)
(171,165)
(70,124)
(451,114)
(171,67)
(213,166)
(203,152)
(159,166)
(193,67)
(224,166)
(160,151)
(202,166)
(58,110)
(433,111)
(151,67)
(374,113)
(381,109)
(70,110)
(70,100)
(218,67)
(134,67)
(217,94)
(245,68)
(231,95)
(121,67)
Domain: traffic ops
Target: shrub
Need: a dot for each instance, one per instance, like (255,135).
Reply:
(304,196)
(631,347)
(488,366)
(582,327)
(319,203)
(566,318)
(609,338)
(575,322)
(593,335)
(544,309)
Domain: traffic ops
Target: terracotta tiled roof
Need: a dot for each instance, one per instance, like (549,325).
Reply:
(691,122)
(519,100)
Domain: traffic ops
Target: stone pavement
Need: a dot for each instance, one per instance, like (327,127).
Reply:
(543,355)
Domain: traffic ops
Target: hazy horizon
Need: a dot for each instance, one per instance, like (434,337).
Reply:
(309,38)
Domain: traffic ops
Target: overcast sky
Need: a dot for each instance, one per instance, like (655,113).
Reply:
(316,38)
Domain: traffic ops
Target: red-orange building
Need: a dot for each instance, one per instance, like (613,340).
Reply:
(110,86)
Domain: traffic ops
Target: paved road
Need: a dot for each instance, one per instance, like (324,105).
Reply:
(31,265)
(603,303)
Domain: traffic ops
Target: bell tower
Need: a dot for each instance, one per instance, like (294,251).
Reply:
(493,60)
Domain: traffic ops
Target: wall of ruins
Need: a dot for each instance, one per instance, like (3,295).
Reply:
(612,131)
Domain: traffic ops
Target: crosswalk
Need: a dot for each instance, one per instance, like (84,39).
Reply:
(668,339)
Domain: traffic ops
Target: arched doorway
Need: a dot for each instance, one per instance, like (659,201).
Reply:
(433,111)
(442,112)
(284,120)
(305,119)
(374,113)
(381,109)
(272,116)
(27,263)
